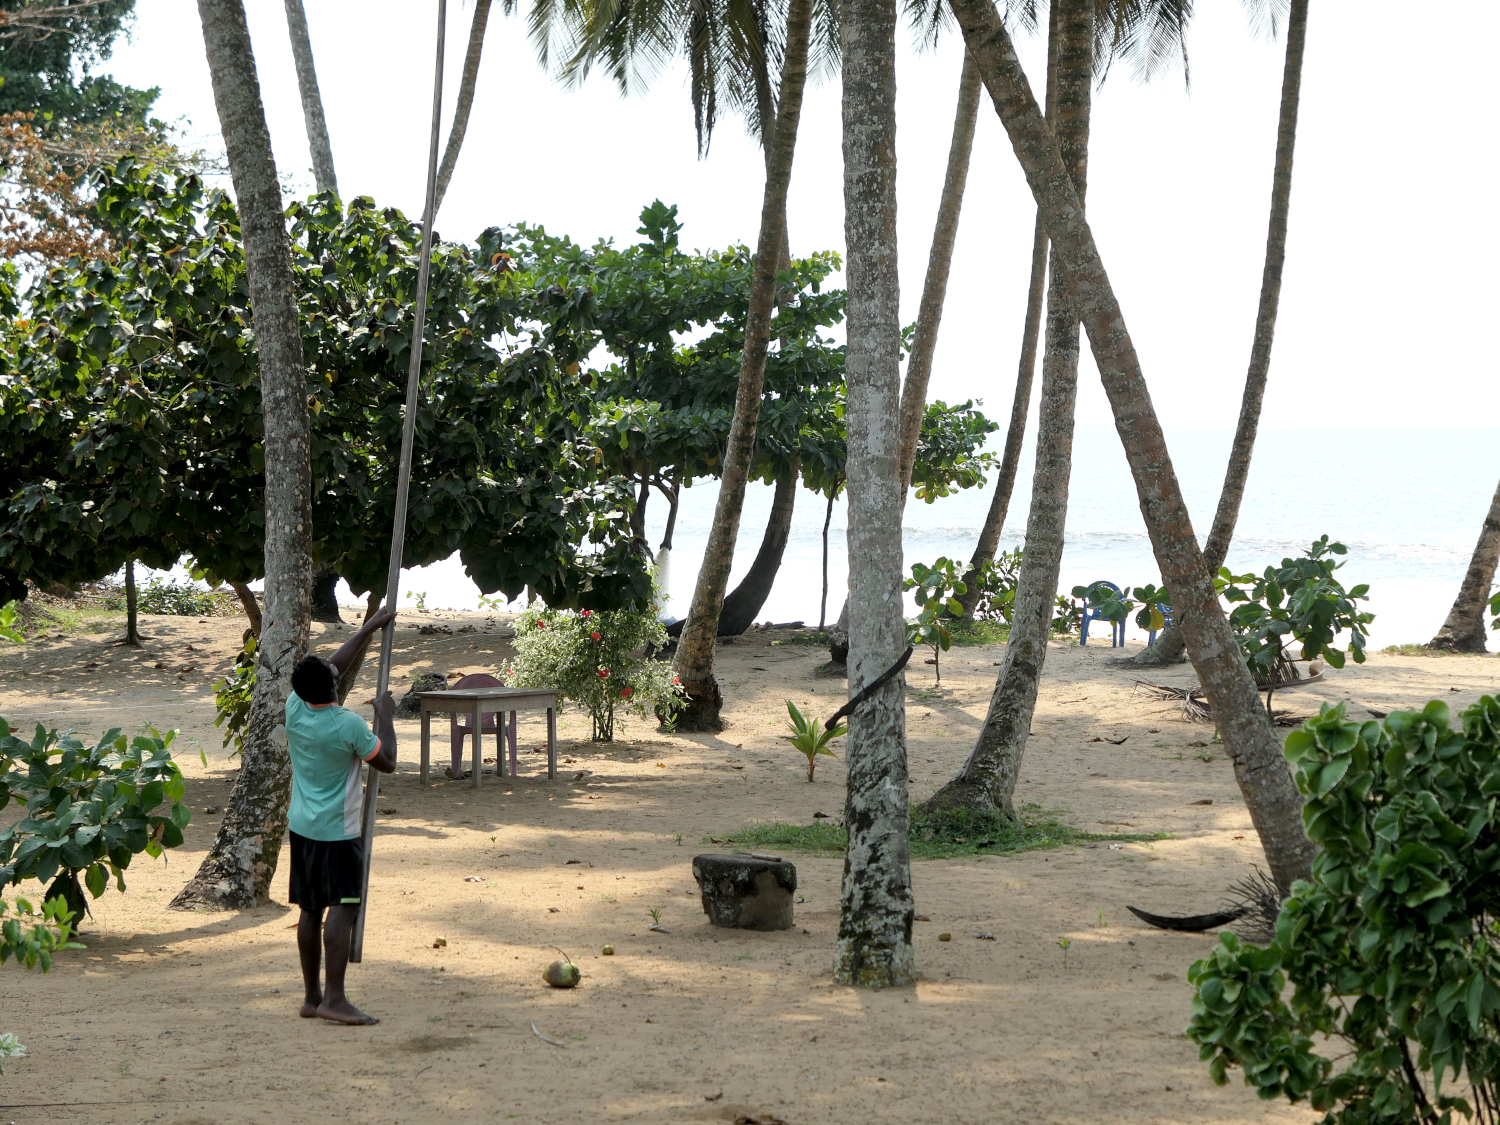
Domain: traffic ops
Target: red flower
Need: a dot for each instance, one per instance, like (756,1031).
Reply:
(677,679)
(595,636)
(541,624)
(626,693)
(587,613)
(604,673)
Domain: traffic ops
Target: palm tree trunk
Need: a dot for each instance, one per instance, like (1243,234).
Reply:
(988,778)
(1265,782)
(132,616)
(465,100)
(1169,646)
(743,603)
(694,661)
(823,605)
(1010,460)
(1463,631)
(236,874)
(939,264)
(874,946)
(312,102)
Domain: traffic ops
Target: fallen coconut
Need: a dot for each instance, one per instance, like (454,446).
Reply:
(562,974)
(608,951)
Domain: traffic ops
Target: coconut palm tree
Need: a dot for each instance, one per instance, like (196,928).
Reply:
(1463,631)
(465,101)
(874,941)
(1169,646)
(1273,801)
(988,776)
(236,874)
(312,101)
(732,51)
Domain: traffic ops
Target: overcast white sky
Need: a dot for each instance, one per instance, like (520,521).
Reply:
(1389,277)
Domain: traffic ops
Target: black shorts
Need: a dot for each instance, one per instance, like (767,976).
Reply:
(326,872)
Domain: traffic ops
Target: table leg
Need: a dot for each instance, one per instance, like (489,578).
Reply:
(426,742)
(478,756)
(514,768)
(552,741)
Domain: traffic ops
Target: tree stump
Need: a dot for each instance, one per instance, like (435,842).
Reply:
(746,892)
(410,706)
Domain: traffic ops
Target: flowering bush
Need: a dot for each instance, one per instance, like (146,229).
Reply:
(597,660)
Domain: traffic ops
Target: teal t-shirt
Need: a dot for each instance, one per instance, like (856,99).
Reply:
(326,745)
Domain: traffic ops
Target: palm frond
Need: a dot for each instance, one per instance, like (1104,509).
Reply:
(1267,17)
(1149,34)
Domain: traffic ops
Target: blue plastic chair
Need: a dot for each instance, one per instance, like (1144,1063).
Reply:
(1166,616)
(1117,630)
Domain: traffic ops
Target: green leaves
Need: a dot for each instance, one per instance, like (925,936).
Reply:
(810,738)
(1391,949)
(33,944)
(88,808)
(1299,602)
(935,588)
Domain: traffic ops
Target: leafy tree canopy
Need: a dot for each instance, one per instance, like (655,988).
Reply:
(48,58)
(131,396)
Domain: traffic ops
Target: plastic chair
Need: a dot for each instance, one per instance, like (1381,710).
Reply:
(1166,616)
(1117,630)
(458,731)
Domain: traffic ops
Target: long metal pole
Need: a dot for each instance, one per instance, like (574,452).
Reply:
(403,478)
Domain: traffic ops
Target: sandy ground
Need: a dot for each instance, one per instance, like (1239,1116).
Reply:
(190,1019)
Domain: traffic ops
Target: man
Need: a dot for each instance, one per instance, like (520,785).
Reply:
(326,743)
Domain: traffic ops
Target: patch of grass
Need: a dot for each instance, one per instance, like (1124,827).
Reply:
(1415,650)
(966,632)
(943,835)
(810,638)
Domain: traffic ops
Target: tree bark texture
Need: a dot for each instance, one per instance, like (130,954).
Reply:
(132,613)
(939,265)
(250,605)
(236,874)
(1463,631)
(744,601)
(874,948)
(465,103)
(1010,459)
(312,101)
(694,660)
(1169,646)
(1260,768)
(988,778)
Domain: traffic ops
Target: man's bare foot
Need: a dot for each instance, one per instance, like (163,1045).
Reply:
(309,1009)
(341,1011)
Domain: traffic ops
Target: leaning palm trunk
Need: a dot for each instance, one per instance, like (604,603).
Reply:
(1274,804)
(875,917)
(236,874)
(744,602)
(988,778)
(465,102)
(1010,459)
(312,102)
(1464,629)
(1169,646)
(694,662)
(939,264)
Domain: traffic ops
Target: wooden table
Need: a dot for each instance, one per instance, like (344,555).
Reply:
(475,702)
